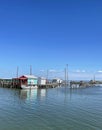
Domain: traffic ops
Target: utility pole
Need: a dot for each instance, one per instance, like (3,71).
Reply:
(30,70)
(47,75)
(94,78)
(17,71)
(67,73)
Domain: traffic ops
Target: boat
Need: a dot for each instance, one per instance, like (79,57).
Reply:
(29,86)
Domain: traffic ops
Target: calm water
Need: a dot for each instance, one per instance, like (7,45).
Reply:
(51,109)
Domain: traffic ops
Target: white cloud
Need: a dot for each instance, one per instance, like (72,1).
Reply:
(83,71)
(42,70)
(81,76)
(78,71)
(52,70)
(99,71)
(78,74)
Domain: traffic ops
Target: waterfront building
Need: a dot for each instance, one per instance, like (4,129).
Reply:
(57,80)
(26,81)
(42,81)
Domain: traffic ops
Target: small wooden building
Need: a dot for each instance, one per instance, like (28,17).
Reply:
(26,80)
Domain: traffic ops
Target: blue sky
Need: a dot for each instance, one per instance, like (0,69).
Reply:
(48,34)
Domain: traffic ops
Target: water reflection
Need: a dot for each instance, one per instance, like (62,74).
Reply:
(28,94)
(59,108)
(31,94)
(42,93)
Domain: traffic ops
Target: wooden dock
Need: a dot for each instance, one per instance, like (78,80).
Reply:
(9,84)
(5,83)
(50,85)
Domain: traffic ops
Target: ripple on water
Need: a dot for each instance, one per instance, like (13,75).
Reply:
(51,109)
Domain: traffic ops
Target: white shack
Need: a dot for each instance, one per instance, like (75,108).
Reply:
(57,80)
(41,81)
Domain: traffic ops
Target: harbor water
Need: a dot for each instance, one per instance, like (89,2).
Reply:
(58,108)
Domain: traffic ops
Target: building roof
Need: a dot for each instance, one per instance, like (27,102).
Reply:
(30,76)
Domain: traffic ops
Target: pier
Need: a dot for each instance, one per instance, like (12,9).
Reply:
(50,85)
(84,84)
(9,83)
(6,83)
